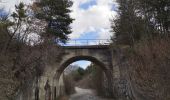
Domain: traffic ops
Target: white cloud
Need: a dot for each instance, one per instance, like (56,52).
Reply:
(94,19)
(9,5)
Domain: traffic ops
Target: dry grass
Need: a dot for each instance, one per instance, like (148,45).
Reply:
(150,67)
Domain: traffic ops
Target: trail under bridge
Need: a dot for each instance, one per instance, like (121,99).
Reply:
(85,94)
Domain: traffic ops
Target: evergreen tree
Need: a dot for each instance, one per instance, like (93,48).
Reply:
(140,19)
(128,27)
(56,14)
(157,12)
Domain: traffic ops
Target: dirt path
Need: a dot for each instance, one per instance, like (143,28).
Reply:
(85,94)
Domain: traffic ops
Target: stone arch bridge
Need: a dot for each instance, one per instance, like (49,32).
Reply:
(51,82)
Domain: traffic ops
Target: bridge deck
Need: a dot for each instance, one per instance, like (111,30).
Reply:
(87,47)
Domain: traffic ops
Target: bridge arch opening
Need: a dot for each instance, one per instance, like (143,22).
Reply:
(98,63)
(64,65)
(94,60)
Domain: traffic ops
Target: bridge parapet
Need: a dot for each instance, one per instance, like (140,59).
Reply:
(87,47)
(87,42)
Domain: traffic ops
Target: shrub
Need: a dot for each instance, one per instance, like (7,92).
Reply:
(150,67)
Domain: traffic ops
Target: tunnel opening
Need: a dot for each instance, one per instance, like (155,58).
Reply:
(101,74)
(79,58)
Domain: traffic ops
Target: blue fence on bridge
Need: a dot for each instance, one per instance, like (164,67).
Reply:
(87,42)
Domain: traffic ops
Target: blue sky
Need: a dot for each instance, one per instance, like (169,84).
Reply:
(83,63)
(92,18)
(87,5)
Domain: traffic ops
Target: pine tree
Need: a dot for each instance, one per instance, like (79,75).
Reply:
(133,23)
(157,12)
(56,14)
(128,27)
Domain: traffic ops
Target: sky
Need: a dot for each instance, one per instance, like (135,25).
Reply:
(92,21)
(82,63)
(92,18)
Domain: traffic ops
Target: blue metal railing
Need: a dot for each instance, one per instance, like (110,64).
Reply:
(87,42)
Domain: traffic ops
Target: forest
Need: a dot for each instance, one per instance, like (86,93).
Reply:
(29,40)
(142,31)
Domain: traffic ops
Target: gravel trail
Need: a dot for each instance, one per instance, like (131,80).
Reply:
(85,94)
